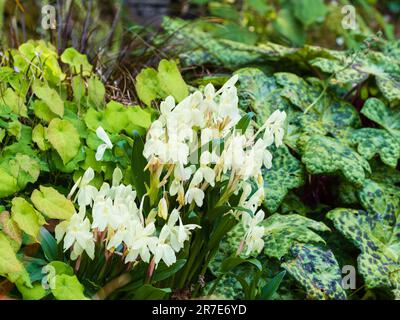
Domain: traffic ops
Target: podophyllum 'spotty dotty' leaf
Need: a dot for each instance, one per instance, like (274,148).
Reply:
(375,232)
(27,218)
(64,137)
(52,204)
(375,110)
(317,270)
(282,231)
(324,155)
(68,288)
(286,173)
(50,97)
(259,93)
(371,141)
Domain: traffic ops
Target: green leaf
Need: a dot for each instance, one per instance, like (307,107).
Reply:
(64,137)
(13,101)
(140,177)
(286,173)
(68,288)
(9,263)
(163,272)
(49,245)
(171,81)
(37,292)
(309,11)
(389,119)
(148,292)
(61,268)
(52,203)
(50,97)
(287,26)
(317,270)
(78,62)
(78,88)
(25,169)
(39,136)
(8,184)
(244,122)
(147,86)
(371,141)
(272,286)
(27,218)
(230,263)
(96,91)
(283,231)
(375,232)
(11,229)
(42,111)
(324,155)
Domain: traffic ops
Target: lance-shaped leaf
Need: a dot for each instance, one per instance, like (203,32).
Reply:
(52,203)
(375,110)
(376,232)
(283,231)
(64,137)
(324,155)
(317,270)
(371,141)
(286,173)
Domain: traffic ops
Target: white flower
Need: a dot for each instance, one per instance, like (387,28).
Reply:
(254,233)
(196,195)
(86,192)
(141,242)
(163,209)
(274,128)
(163,251)
(103,147)
(77,234)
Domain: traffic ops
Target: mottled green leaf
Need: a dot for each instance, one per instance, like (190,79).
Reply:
(371,141)
(317,270)
(389,119)
(283,231)
(324,155)
(286,173)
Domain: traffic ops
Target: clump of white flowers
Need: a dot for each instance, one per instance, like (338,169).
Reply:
(117,221)
(185,144)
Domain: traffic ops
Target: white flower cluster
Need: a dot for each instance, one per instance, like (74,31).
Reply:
(118,222)
(196,126)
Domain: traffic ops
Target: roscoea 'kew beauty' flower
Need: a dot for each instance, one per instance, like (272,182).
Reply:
(253,238)
(102,135)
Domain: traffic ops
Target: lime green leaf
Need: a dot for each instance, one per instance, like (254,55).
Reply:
(324,155)
(389,119)
(52,204)
(8,184)
(25,169)
(286,173)
(11,229)
(78,88)
(39,136)
(96,91)
(64,137)
(16,103)
(78,62)
(171,80)
(42,111)
(68,288)
(50,97)
(373,141)
(282,231)
(9,263)
(37,292)
(147,86)
(27,218)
